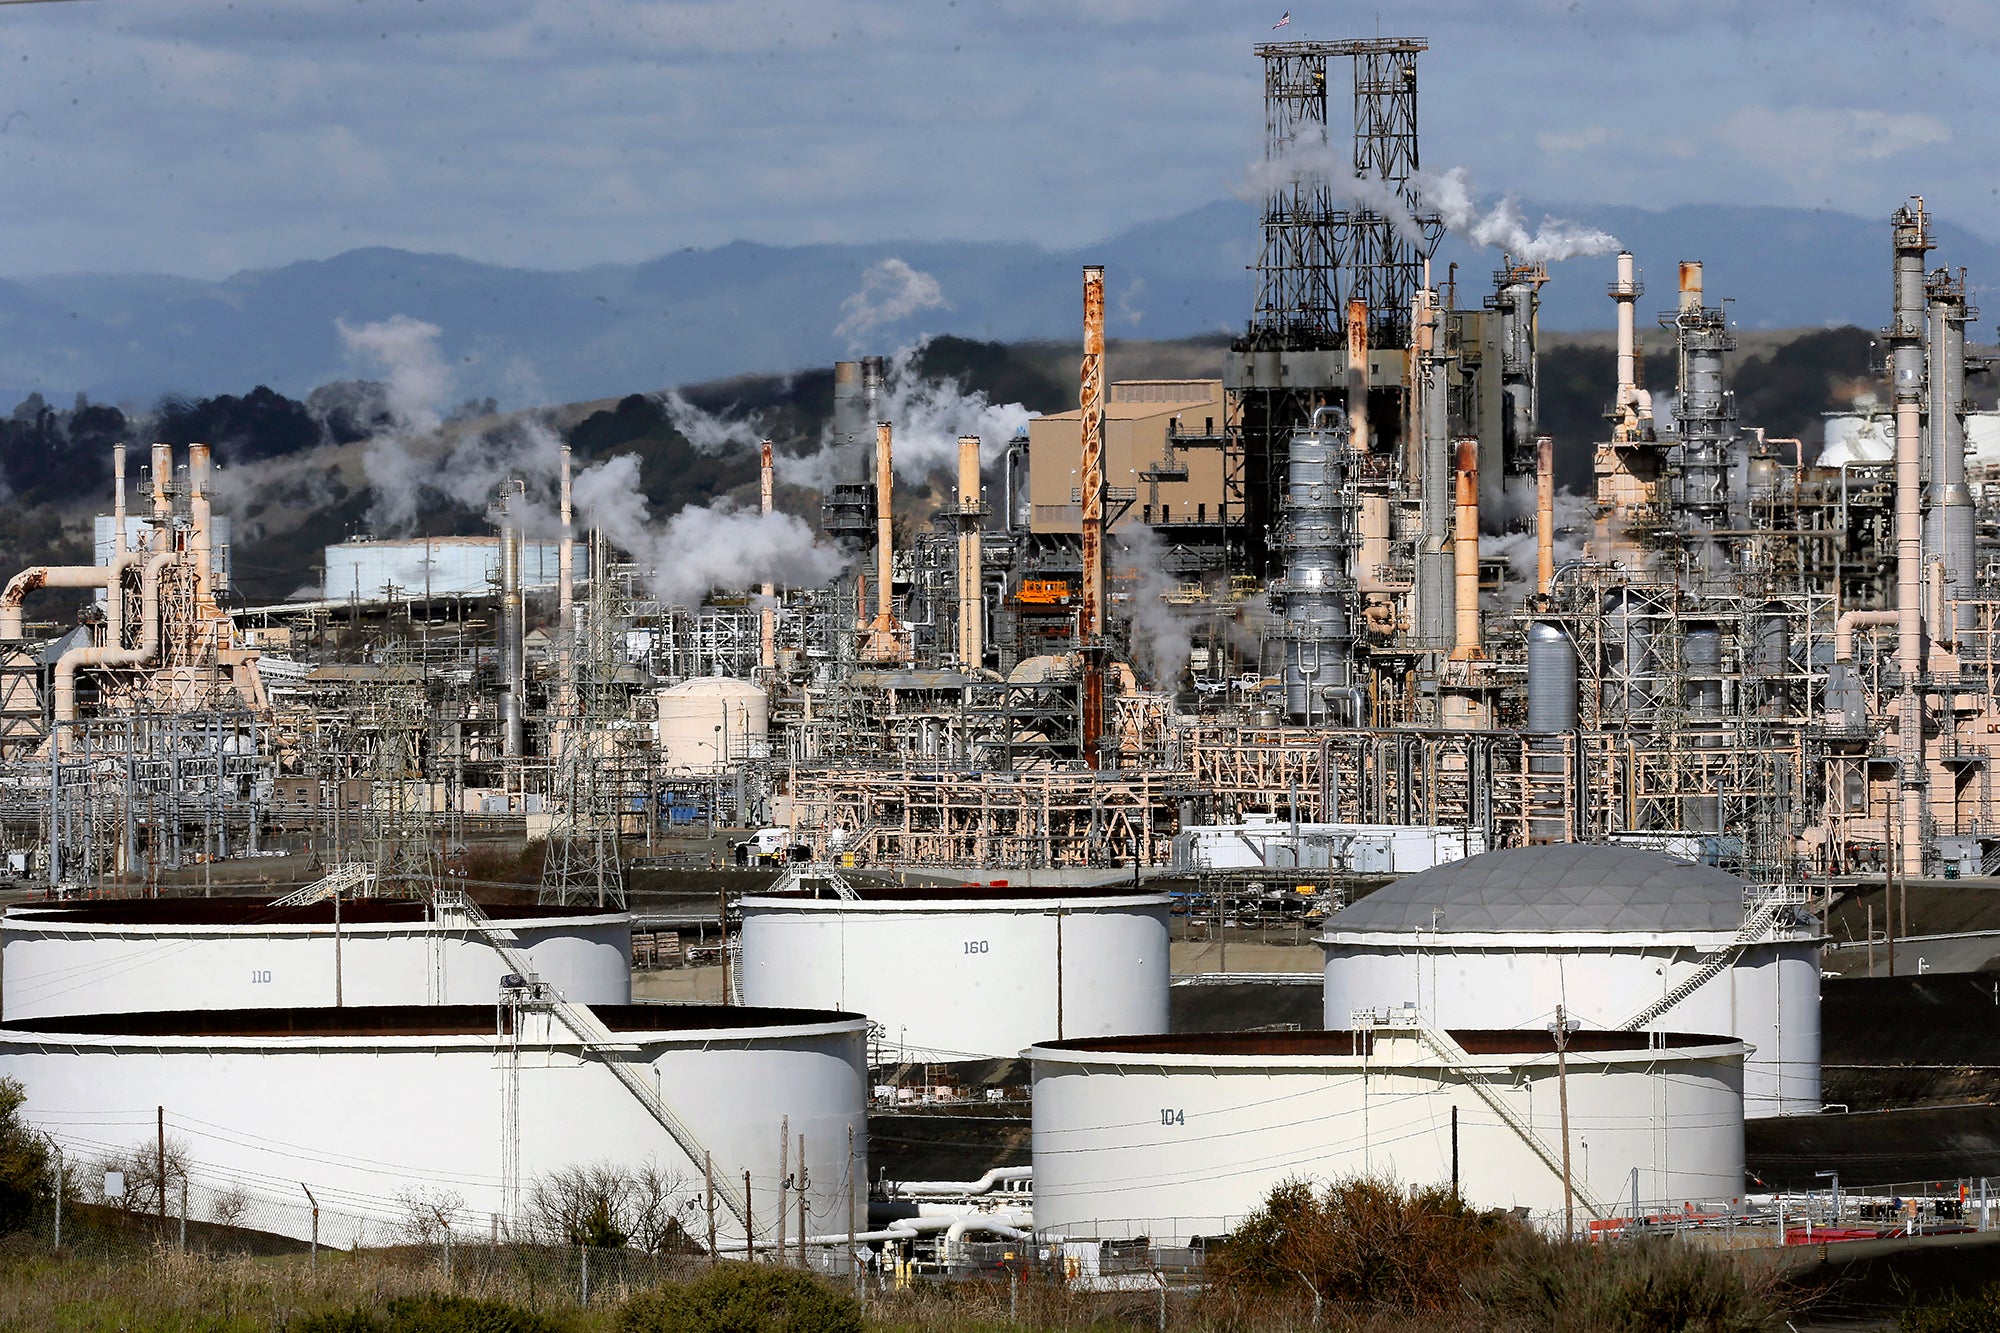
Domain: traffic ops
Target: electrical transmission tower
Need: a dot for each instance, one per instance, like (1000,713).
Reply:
(581,866)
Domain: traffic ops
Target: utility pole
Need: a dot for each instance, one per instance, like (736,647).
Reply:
(1561,1031)
(749,1232)
(708,1173)
(162,1125)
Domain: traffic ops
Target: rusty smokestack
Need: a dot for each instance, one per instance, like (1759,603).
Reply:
(1465,553)
(1357,375)
(1090,464)
(767,653)
(885,551)
(1090,469)
(566,593)
(1545,513)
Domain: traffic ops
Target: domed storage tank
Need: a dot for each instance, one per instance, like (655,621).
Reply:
(140,954)
(1500,939)
(1182,1136)
(364,1105)
(713,720)
(965,972)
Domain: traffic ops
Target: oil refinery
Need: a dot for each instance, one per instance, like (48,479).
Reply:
(1557,795)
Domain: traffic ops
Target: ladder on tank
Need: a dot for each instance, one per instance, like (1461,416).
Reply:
(1758,923)
(1446,1047)
(337,880)
(599,1041)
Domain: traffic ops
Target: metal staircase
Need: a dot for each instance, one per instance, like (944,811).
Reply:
(338,879)
(1460,1061)
(1758,922)
(799,878)
(599,1041)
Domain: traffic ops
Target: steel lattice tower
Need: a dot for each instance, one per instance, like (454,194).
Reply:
(1325,240)
(581,865)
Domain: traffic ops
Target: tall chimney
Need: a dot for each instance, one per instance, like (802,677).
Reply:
(118,500)
(1090,464)
(200,541)
(513,670)
(1465,553)
(1090,399)
(1626,292)
(971,587)
(885,537)
(1357,375)
(566,594)
(1545,513)
(767,619)
(163,498)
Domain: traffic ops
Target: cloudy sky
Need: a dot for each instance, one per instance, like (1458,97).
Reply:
(200,137)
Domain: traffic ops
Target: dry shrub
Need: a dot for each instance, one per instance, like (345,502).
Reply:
(1364,1242)
(1648,1286)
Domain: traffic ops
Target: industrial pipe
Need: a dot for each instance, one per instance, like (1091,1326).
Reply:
(986,1184)
(1545,513)
(37,577)
(148,648)
(971,586)
(767,619)
(1465,553)
(1634,405)
(1433,454)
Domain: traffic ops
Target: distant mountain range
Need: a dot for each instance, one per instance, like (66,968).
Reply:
(525,336)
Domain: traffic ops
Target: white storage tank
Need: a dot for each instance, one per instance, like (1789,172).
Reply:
(713,720)
(364,1105)
(1500,940)
(139,954)
(965,972)
(1183,1136)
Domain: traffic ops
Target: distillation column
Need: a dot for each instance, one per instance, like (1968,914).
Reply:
(1090,473)
(1318,589)
(1432,457)
(1911,230)
(1950,527)
(1706,417)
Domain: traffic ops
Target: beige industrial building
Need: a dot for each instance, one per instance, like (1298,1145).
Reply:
(1162,453)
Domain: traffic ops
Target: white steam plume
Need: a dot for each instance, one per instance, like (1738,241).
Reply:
(890,290)
(699,548)
(1504,228)
(1315,159)
(684,557)
(705,430)
(1162,633)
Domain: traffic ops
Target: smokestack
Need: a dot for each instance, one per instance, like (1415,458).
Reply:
(1626,292)
(1911,231)
(767,656)
(1357,375)
(1090,399)
(971,587)
(1545,514)
(566,594)
(1465,553)
(1690,286)
(885,633)
(163,499)
(117,500)
(513,672)
(199,516)
(885,566)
